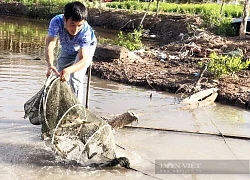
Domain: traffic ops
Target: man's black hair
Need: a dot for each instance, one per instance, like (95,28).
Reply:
(76,11)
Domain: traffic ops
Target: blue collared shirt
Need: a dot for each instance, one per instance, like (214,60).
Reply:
(84,38)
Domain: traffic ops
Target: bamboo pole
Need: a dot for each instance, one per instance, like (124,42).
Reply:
(88,86)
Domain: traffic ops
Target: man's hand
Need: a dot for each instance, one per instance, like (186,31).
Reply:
(52,69)
(64,75)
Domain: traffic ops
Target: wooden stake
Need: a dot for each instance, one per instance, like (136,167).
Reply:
(88,85)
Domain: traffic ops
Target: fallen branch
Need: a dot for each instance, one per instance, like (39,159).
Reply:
(149,82)
(145,14)
(127,23)
(199,78)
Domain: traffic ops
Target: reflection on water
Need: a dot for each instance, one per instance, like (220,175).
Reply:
(24,156)
(22,35)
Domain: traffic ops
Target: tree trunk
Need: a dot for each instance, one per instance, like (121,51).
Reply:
(222,5)
(158,8)
(100,4)
(243,25)
(149,3)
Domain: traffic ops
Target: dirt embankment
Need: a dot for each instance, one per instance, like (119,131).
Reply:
(166,27)
(179,68)
(174,63)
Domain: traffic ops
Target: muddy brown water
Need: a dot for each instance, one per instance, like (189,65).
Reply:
(23,155)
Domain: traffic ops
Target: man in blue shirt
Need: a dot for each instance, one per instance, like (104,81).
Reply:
(78,44)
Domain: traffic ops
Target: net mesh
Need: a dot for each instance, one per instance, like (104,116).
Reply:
(34,108)
(75,133)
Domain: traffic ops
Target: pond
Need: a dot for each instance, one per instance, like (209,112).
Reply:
(162,132)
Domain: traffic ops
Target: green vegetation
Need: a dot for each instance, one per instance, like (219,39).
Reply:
(229,10)
(132,41)
(40,2)
(220,22)
(219,64)
(213,18)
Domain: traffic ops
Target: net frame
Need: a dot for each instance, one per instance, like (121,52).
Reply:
(92,139)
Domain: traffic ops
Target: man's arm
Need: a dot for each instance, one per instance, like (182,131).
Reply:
(49,54)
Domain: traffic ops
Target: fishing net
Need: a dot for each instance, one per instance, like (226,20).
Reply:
(75,132)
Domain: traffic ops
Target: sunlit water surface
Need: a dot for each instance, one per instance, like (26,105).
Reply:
(23,155)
